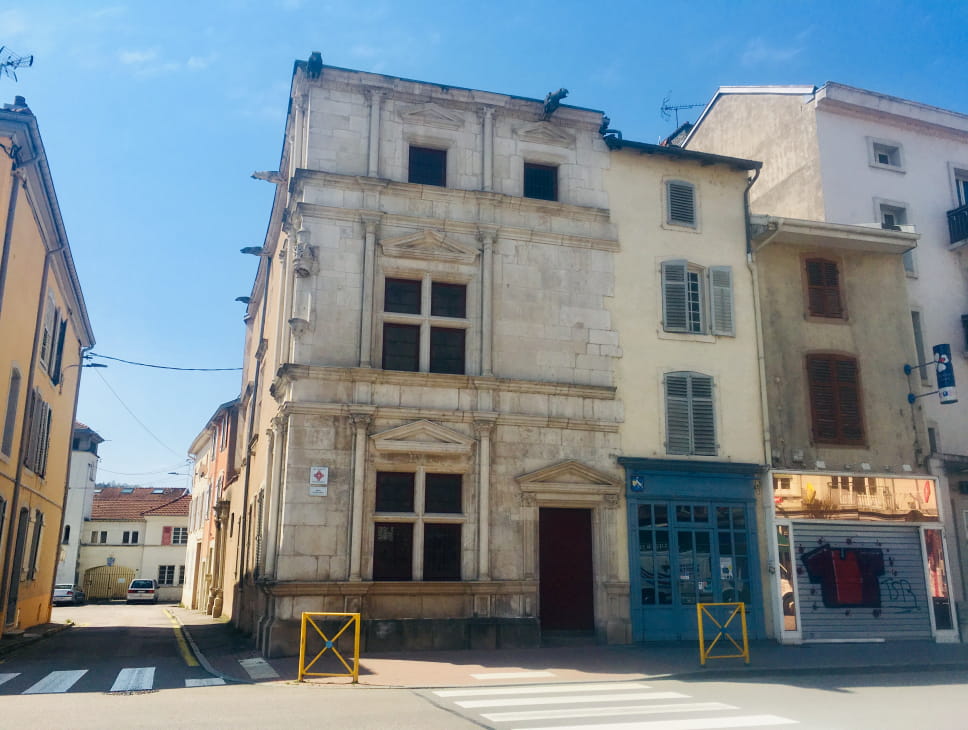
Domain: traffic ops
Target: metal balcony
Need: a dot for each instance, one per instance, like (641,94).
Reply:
(958,225)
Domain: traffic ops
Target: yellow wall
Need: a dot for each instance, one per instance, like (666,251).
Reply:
(18,322)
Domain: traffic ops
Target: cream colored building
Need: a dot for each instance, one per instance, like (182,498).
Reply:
(692,442)
(135,532)
(429,388)
(44,330)
(851,156)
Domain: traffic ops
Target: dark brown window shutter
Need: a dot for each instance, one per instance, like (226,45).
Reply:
(823,289)
(835,399)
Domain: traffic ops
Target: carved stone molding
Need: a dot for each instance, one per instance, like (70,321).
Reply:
(432,115)
(428,244)
(545,133)
(361,419)
(304,261)
(528,499)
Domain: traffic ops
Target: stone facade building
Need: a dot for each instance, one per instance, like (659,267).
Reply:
(429,392)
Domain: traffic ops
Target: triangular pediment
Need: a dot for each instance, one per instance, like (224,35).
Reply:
(545,133)
(428,245)
(432,115)
(567,476)
(422,437)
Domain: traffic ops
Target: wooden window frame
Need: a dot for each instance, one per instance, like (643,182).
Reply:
(697,300)
(831,422)
(692,407)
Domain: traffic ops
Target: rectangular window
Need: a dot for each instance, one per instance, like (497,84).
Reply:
(38,434)
(540,181)
(35,545)
(393,551)
(823,289)
(10,419)
(394,491)
(893,216)
(441,552)
(428,166)
(885,154)
(835,399)
(129,537)
(695,301)
(681,197)
(179,536)
(99,538)
(442,493)
(166,575)
(181,575)
(690,418)
(961,187)
(418,340)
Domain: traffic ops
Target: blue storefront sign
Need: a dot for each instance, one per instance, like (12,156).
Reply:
(945,373)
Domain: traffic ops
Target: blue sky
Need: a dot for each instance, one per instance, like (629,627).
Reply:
(155,115)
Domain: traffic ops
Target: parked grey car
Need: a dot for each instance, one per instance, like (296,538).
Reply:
(67,593)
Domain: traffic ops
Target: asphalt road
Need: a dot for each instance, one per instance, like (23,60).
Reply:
(122,666)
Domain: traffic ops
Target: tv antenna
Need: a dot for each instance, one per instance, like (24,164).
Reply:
(10,62)
(667,107)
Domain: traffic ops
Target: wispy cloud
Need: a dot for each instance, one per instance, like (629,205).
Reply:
(151,62)
(13,22)
(758,52)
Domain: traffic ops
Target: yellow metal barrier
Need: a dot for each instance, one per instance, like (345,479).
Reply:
(723,630)
(308,619)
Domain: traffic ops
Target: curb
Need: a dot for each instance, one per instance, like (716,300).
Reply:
(9,646)
(202,659)
(695,674)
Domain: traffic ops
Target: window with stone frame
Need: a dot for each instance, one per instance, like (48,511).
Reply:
(424,325)
(695,300)
(540,181)
(824,295)
(418,521)
(427,166)
(835,403)
(680,203)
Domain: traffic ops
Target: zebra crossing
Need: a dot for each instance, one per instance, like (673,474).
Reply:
(129,679)
(596,706)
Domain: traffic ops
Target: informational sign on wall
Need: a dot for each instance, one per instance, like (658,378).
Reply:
(318,475)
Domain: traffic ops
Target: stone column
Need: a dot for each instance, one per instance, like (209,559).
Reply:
(370,223)
(483,429)
(373,163)
(487,236)
(487,149)
(361,421)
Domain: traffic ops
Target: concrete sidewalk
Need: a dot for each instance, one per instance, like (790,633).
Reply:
(221,649)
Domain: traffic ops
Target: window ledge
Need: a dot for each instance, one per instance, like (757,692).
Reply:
(892,168)
(685,337)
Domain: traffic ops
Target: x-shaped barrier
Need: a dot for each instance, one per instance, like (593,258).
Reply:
(722,628)
(329,644)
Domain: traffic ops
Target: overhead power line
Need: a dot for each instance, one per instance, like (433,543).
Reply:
(160,367)
(131,413)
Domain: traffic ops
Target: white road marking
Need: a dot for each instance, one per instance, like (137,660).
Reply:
(541,689)
(8,676)
(134,679)
(511,675)
(570,700)
(699,723)
(204,682)
(606,711)
(56,682)
(258,668)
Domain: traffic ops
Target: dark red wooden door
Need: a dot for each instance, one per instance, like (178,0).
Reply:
(565,565)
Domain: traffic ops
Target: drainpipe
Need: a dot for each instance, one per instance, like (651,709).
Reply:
(8,231)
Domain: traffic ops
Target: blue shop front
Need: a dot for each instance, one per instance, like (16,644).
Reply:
(692,539)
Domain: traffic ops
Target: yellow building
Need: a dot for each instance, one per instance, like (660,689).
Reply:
(44,330)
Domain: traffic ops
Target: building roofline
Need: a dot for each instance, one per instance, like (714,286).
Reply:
(796,231)
(705,158)
(18,122)
(784,90)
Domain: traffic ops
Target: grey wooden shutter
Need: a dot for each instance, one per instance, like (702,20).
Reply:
(703,417)
(678,437)
(674,315)
(682,203)
(721,300)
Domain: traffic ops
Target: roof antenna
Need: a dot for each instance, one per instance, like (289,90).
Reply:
(10,62)
(667,107)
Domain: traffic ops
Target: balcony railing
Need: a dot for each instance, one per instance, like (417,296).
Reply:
(958,224)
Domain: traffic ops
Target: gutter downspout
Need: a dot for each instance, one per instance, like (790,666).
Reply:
(766,490)
(21,452)
(15,183)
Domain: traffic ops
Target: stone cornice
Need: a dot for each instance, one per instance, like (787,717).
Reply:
(440,380)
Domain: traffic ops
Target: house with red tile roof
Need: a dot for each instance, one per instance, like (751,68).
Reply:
(134,532)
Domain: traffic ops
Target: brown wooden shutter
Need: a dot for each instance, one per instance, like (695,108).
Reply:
(823,288)
(835,399)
